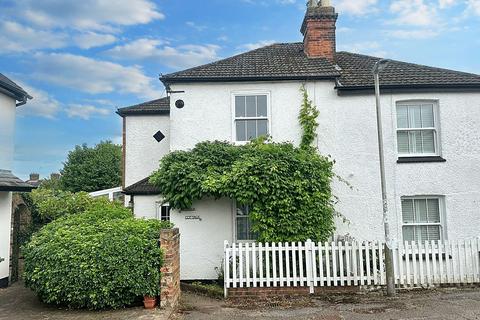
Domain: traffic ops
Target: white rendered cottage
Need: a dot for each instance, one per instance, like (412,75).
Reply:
(431,130)
(11,96)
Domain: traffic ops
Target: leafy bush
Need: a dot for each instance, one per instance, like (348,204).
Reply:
(102,258)
(52,204)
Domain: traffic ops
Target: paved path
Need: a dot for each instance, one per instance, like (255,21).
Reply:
(432,305)
(19,303)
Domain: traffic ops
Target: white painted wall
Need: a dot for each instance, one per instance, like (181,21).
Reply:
(5,225)
(143,152)
(347,131)
(7,128)
(201,237)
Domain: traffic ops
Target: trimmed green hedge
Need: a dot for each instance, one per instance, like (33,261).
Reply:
(102,258)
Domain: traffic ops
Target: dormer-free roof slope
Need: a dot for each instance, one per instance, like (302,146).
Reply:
(287,61)
(158,106)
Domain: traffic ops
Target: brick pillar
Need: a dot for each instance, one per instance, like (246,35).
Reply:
(170,283)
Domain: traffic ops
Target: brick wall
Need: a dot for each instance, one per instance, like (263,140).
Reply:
(170,283)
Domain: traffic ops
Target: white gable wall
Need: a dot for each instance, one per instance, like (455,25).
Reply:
(143,152)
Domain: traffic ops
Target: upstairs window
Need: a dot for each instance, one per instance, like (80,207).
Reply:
(250,117)
(417,129)
(422,218)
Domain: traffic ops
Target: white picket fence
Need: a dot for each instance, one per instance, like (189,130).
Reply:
(337,264)
(429,263)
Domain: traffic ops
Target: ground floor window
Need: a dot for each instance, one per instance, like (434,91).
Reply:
(163,212)
(422,218)
(243,225)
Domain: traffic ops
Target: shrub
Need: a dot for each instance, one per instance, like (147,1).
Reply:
(102,258)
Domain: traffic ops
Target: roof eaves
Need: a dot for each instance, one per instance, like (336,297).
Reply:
(171,80)
(405,88)
(124,113)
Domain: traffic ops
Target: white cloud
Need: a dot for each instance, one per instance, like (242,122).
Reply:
(88,14)
(180,57)
(42,104)
(15,38)
(414,12)
(256,45)
(85,111)
(195,26)
(92,76)
(413,34)
(474,6)
(89,40)
(446,3)
(356,7)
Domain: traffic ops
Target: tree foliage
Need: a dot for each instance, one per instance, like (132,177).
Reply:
(287,187)
(92,169)
(101,258)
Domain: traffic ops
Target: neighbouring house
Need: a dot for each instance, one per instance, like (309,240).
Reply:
(431,119)
(11,97)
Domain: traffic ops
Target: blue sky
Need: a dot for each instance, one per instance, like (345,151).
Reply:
(83,59)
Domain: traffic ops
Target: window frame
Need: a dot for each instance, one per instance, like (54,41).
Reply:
(235,94)
(442,215)
(234,220)
(158,211)
(435,128)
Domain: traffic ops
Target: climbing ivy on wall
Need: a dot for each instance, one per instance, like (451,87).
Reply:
(287,187)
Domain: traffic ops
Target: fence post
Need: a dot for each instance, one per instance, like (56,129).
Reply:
(309,262)
(226,271)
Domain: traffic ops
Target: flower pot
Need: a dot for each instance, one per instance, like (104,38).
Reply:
(149,302)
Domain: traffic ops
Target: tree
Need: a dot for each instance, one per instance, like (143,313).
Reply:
(91,169)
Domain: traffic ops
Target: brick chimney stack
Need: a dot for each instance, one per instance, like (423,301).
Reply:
(318,30)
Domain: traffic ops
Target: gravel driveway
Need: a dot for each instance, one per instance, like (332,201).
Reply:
(438,304)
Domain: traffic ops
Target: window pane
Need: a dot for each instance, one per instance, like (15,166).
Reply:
(402,117)
(421,233)
(421,210)
(251,129)
(427,116)
(414,113)
(408,233)
(242,210)
(262,127)
(251,106)
(242,228)
(433,232)
(416,142)
(239,106)
(407,211)
(428,142)
(433,211)
(402,140)
(261,106)
(241,130)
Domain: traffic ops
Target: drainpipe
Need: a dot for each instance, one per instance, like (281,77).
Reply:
(379,67)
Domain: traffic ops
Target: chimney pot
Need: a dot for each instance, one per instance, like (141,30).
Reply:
(34,176)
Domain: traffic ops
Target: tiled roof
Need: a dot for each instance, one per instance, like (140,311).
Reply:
(13,88)
(9,182)
(142,187)
(356,71)
(287,61)
(158,106)
(275,62)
